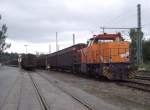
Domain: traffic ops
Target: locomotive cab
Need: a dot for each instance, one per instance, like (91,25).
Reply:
(105,38)
(106,48)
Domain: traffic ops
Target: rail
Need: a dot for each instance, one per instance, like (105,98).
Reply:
(41,99)
(137,84)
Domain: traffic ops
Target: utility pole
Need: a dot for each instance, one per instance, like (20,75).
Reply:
(49,48)
(73,39)
(103,30)
(139,16)
(58,46)
(56,41)
(139,37)
(26,48)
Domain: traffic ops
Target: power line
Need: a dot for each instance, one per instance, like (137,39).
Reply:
(119,28)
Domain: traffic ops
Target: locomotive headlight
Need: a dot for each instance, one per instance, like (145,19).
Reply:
(124,55)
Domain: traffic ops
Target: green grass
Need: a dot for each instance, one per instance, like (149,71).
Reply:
(145,66)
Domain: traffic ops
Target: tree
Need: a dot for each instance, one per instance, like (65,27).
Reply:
(133,46)
(136,47)
(146,51)
(6,57)
(3,44)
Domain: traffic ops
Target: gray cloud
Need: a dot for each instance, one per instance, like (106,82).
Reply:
(38,20)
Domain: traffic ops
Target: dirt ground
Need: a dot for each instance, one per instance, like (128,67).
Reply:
(125,97)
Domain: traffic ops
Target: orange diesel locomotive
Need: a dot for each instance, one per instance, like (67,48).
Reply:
(106,55)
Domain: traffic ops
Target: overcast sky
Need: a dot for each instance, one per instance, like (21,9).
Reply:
(35,22)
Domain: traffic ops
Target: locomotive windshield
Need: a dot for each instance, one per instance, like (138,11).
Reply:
(97,40)
(90,42)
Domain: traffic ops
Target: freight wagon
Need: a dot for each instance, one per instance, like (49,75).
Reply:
(41,62)
(28,61)
(64,59)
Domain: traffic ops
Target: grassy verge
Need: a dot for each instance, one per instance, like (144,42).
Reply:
(145,67)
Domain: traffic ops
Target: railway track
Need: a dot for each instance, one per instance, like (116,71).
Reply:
(56,84)
(40,97)
(42,100)
(139,84)
(143,77)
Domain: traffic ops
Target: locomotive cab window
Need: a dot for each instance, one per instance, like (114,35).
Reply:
(98,40)
(90,42)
